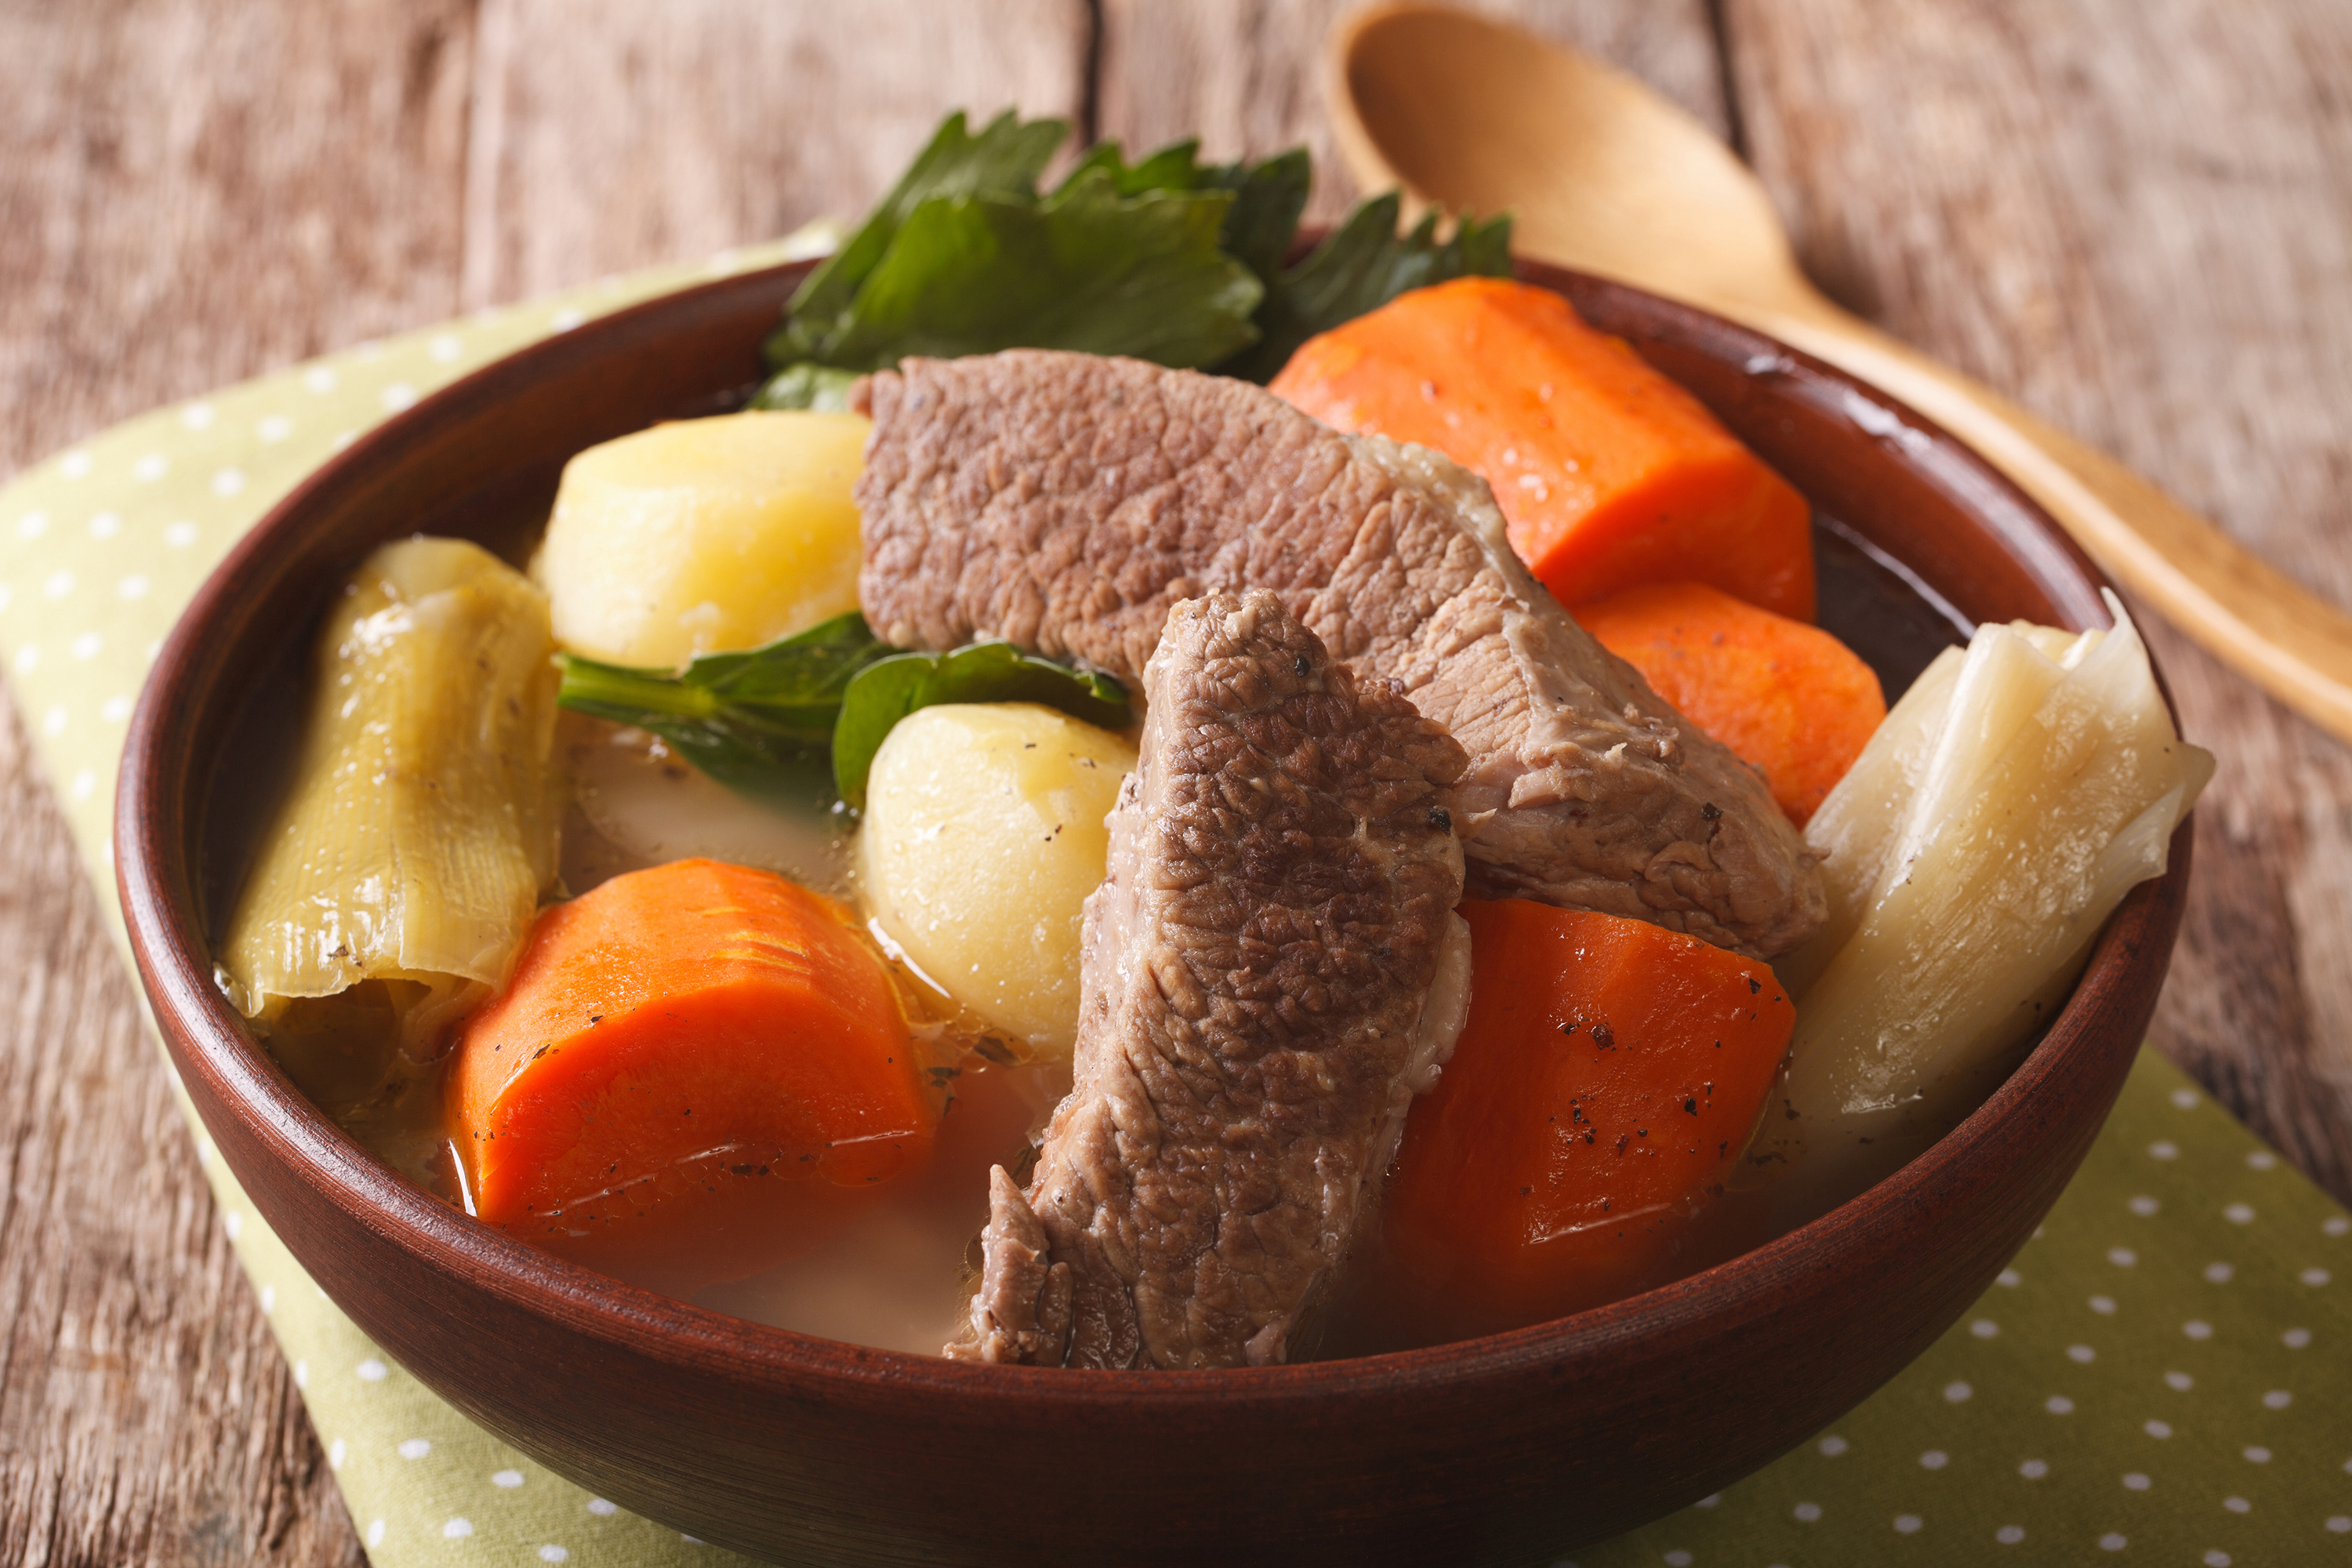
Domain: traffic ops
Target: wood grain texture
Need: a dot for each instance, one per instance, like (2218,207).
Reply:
(610,134)
(145,1413)
(1243,75)
(2131,216)
(189,193)
(2135,219)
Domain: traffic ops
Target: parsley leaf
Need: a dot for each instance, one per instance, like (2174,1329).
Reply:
(1166,258)
(1003,160)
(799,721)
(1173,168)
(807,385)
(1268,196)
(761,722)
(1086,268)
(1363,264)
(884,693)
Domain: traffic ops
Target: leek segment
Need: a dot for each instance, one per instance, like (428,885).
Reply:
(1993,824)
(400,875)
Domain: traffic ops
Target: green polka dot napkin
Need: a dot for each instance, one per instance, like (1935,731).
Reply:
(2162,1376)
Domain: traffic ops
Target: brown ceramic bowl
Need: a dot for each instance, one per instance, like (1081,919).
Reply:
(1510,1449)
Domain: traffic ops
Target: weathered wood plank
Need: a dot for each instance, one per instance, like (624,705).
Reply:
(2129,216)
(2136,219)
(1244,77)
(193,192)
(609,135)
(145,1413)
(189,193)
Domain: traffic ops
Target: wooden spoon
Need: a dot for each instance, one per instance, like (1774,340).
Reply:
(1605,175)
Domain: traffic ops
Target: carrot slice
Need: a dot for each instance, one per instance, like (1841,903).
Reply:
(1607,473)
(697,1071)
(1787,698)
(1575,1147)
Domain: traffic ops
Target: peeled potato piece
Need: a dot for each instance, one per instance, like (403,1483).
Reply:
(983,835)
(705,536)
(1982,840)
(399,875)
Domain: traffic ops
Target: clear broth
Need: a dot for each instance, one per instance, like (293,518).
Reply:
(900,1277)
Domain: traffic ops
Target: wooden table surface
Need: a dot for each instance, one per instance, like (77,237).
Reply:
(2134,217)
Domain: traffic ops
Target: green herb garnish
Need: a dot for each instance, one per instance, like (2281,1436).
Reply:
(964,256)
(1166,258)
(884,693)
(799,721)
(1086,269)
(808,385)
(1266,197)
(761,722)
(1361,265)
(1003,160)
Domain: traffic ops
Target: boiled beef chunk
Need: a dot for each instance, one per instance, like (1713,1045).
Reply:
(1065,501)
(1270,972)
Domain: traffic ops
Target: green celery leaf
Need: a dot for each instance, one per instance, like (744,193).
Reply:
(1004,160)
(1086,269)
(1171,168)
(1268,196)
(885,692)
(807,385)
(1166,258)
(1362,266)
(759,721)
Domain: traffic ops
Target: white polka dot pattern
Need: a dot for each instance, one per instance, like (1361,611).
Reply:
(2176,1318)
(2181,1366)
(100,546)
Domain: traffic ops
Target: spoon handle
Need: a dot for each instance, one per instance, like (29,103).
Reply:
(1608,177)
(2279,635)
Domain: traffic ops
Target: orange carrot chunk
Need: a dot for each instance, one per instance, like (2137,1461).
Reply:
(1787,698)
(1575,1148)
(1607,473)
(697,1071)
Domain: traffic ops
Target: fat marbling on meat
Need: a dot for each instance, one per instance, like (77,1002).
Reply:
(1271,970)
(1065,501)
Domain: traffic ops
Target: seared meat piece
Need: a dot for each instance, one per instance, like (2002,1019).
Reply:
(1270,972)
(1065,501)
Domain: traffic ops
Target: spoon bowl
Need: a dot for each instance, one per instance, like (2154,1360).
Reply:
(1459,110)
(1603,175)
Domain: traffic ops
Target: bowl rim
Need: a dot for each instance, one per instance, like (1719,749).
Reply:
(161,773)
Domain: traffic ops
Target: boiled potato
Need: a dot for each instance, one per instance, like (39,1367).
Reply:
(705,536)
(983,835)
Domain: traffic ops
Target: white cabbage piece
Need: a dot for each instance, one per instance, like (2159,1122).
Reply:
(398,879)
(1979,843)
